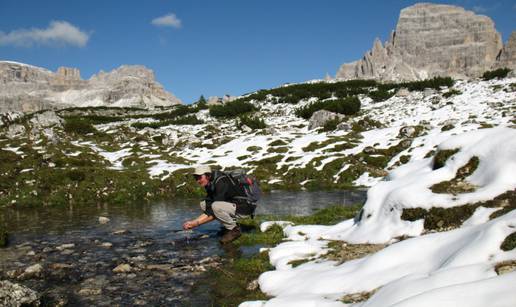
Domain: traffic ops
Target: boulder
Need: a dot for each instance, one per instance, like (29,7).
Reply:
(14,131)
(46,119)
(16,295)
(319,118)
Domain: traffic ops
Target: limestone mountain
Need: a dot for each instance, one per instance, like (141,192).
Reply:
(434,40)
(28,88)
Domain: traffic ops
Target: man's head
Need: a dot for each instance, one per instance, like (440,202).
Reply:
(202,175)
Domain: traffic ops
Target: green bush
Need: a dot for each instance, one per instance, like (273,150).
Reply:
(347,106)
(231,109)
(78,126)
(380,95)
(251,122)
(498,73)
(331,125)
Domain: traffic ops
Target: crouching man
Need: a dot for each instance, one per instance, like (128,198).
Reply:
(225,201)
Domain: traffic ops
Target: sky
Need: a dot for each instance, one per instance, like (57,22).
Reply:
(209,48)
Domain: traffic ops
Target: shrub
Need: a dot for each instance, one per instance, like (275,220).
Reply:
(251,122)
(380,95)
(78,126)
(498,73)
(331,125)
(451,92)
(346,106)
(232,109)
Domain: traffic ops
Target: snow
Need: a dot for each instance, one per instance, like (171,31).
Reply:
(449,268)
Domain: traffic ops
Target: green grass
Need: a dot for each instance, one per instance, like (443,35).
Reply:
(228,284)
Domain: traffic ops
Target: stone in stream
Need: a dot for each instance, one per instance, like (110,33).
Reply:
(122,268)
(32,271)
(103,220)
(65,246)
(12,294)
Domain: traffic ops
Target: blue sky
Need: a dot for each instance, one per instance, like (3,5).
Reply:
(209,47)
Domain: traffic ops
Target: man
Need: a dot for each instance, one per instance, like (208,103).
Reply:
(225,202)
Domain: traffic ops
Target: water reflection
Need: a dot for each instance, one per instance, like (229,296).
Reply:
(165,263)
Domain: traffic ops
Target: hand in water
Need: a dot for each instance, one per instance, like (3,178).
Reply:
(189,225)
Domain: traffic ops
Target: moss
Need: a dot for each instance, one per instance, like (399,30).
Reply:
(277,149)
(254,148)
(447,127)
(451,92)
(442,156)
(440,218)
(298,262)
(342,252)
(278,143)
(509,243)
(405,159)
(457,185)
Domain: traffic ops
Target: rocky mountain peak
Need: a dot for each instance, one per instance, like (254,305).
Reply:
(29,88)
(432,40)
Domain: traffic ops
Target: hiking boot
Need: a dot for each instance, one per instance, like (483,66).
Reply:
(230,235)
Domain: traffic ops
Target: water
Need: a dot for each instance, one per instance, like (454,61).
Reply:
(78,254)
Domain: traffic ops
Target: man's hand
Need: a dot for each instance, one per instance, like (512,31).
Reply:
(190,224)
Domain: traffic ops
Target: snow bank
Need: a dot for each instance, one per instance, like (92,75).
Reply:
(452,268)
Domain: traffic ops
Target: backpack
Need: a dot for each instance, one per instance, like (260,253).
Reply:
(248,183)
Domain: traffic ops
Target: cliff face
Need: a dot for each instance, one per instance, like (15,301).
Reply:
(433,40)
(28,88)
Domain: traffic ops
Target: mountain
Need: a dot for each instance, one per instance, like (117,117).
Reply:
(28,88)
(435,40)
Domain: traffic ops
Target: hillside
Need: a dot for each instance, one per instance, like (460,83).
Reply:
(102,154)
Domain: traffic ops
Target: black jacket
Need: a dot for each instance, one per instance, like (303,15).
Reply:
(222,188)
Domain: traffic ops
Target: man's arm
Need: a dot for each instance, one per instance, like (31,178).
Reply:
(201,219)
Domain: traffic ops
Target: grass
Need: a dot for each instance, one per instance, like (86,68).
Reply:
(229,284)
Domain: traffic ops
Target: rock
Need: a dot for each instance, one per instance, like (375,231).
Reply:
(89,292)
(46,119)
(65,246)
(319,118)
(344,126)
(15,295)
(32,271)
(103,220)
(403,92)
(253,285)
(507,57)
(407,132)
(14,131)
(122,268)
(434,40)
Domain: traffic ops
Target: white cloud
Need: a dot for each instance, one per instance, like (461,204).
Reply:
(58,33)
(169,20)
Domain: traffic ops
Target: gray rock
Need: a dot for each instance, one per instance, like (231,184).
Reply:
(507,57)
(15,295)
(434,40)
(46,119)
(122,268)
(103,220)
(319,118)
(408,132)
(32,271)
(14,131)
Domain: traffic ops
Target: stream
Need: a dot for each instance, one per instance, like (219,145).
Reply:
(137,256)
